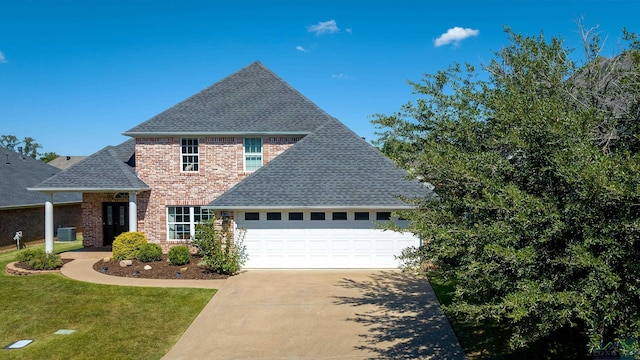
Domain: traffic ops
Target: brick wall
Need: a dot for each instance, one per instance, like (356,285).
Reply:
(31,222)
(221,163)
(92,235)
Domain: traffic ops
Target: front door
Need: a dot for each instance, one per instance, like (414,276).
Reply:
(115,221)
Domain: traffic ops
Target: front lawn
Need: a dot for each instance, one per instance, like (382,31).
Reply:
(110,321)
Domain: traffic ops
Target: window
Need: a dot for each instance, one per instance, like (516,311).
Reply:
(182,220)
(252,216)
(295,216)
(189,155)
(317,216)
(339,216)
(383,215)
(359,215)
(274,216)
(252,154)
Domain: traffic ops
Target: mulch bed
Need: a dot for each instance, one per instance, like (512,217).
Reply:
(159,270)
(25,265)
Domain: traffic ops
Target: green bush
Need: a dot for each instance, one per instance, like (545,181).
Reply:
(149,252)
(179,255)
(126,245)
(28,254)
(217,250)
(46,262)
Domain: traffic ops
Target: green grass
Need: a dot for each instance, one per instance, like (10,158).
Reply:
(489,341)
(110,321)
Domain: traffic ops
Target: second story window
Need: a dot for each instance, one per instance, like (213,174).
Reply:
(252,154)
(189,155)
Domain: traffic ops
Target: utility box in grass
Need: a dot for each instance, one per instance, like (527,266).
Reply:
(67,234)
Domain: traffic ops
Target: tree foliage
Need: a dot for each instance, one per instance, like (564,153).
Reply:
(536,164)
(29,147)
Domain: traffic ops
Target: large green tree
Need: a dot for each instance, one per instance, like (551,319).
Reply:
(29,147)
(536,165)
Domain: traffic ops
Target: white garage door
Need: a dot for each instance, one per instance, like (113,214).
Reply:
(274,241)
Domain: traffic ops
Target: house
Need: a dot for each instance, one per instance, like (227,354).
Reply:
(302,189)
(23,210)
(63,162)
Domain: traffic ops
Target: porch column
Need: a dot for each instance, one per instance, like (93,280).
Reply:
(133,212)
(48,224)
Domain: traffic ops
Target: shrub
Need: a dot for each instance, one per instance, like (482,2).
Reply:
(46,262)
(217,250)
(27,255)
(179,255)
(126,245)
(149,252)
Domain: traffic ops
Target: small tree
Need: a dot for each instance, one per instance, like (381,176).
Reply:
(48,156)
(217,248)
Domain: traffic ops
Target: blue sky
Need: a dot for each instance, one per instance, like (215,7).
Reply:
(76,74)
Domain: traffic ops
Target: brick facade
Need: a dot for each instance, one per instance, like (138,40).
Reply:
(31,222)
(92,215)
(221,165)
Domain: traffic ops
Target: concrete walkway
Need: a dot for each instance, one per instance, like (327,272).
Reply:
(81,268)
(305,314)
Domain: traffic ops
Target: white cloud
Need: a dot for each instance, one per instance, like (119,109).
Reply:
(2,58)
(300,48)
(342,76)
(348,30)
(455,35)
(324,27)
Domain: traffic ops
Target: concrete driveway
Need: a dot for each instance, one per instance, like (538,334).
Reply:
(320,314)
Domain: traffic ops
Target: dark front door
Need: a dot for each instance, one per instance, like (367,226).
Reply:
(115,221)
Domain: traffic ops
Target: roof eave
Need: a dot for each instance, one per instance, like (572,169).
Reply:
(27,206)
(318,207)
(87,190)
(215,133)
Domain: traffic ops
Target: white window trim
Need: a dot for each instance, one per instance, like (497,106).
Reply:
(192,222)
(245,153)
(182,155)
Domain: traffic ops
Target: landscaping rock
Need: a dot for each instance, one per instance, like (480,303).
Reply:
(107,259)
(184,269)
(125,263)
(147,267)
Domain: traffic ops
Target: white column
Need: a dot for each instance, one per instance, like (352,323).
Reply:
(133,212)
(48,225)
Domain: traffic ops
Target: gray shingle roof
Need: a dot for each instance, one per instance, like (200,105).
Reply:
(253,100)
(63,162)
(17,173)
(332,167)
(110,169)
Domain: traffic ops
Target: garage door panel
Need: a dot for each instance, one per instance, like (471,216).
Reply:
(340,244)
(296,245)
(385,245)
(322,244)
(362,245)
(276,245)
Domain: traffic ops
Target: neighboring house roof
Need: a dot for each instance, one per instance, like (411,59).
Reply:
(63,162)
(17,173)
(330,168)
(252,101)
(110,169)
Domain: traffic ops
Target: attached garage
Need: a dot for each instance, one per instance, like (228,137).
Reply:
(320,239)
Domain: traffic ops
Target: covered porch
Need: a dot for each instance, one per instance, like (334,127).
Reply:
(111,194)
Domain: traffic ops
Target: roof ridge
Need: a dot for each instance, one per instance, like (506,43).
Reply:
(122,165)
(253,99)
(326,168)
(291,87)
